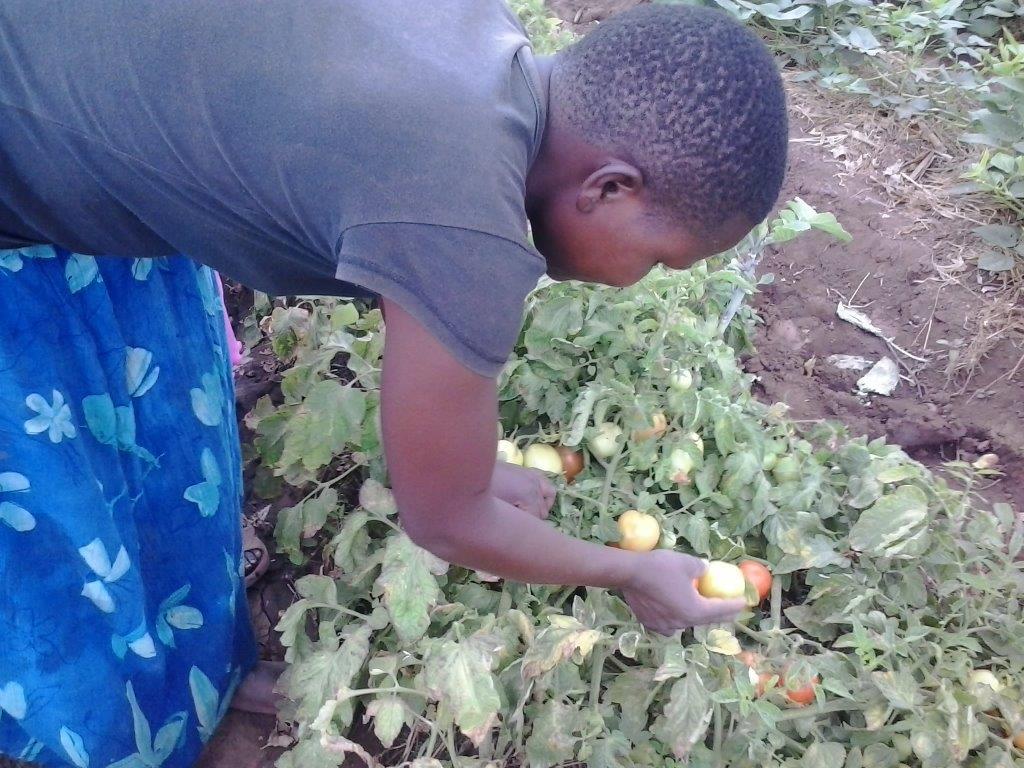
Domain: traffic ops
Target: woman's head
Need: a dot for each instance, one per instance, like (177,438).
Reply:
(666,143)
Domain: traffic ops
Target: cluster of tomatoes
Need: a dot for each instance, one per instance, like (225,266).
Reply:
(641,532)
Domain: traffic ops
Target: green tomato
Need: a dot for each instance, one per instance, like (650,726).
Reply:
(605,443)
(681,465)
(681,380)
(902,746)
(786,469)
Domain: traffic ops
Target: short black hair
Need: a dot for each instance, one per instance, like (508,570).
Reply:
(692,98)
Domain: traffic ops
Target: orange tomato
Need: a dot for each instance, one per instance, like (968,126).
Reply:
(572,462)
(762,682)
(805,694)
(658,428)
(749,659)
(758,575)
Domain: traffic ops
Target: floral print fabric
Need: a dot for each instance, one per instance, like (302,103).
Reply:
(123,623)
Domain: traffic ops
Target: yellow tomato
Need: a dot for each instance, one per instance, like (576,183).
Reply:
(508,452)
(638,531)
(543,457)
(606,442)
(722,580)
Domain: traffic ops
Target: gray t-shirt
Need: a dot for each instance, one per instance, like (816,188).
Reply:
(337,147)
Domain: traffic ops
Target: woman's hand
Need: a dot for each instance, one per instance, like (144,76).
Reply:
(663,597)
(528,489)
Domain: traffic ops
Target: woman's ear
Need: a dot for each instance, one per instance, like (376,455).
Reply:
(611,182)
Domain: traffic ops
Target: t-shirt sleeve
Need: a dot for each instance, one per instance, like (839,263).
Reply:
(466,287)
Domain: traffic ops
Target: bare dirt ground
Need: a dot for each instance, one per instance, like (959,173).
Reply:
(893,270)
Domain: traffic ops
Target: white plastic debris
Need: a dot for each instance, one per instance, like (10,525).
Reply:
(858,318)
(881,379)
(849,362)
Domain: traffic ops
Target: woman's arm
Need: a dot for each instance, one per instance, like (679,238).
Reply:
(439,439)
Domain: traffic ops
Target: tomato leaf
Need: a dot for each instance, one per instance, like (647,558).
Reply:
(889,526)
(552,738)
(409,585)
(328,420)
(686,716)
(459,674)
(558,642)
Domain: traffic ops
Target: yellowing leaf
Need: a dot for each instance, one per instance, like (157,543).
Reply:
(376,499)
(551,739)
(686,716)
(722,641)
(892,523)
(389,714)
(409,586)
(557,643)
(459,674)
(327,421)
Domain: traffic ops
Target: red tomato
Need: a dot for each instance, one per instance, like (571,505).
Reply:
(759,576)
(804,695)
(572,462)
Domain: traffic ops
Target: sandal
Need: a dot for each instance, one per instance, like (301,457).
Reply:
(255,556)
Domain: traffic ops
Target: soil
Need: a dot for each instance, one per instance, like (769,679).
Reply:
(932,419)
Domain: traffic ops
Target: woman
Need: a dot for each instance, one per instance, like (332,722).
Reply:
(124,619)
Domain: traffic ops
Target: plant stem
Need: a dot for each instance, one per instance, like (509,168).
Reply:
(600,654)
(824,709)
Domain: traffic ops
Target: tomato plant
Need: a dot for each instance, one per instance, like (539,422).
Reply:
(894,586)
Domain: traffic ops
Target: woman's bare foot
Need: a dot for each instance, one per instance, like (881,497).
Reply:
(256,692)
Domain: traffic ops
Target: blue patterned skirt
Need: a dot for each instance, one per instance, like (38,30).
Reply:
(123,621)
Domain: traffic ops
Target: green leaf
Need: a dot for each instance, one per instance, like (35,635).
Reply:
(824,754)
(459,675)
(900,688)
(996,262)
(899,473)
(673,665)
(389,715)
(861,39)
(409,586)
(1000,235)
(303,521)
(324,425)
(319,676)
(891,524)
(319,589)
(686,716)
(558,642)
(629,690)
(552,738)
(349,547)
